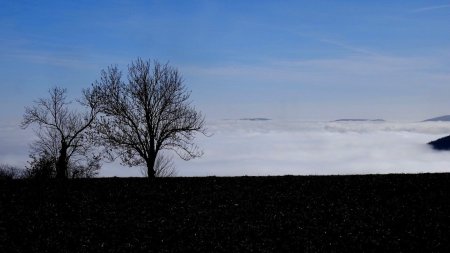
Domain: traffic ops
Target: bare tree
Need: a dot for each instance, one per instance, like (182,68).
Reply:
(149,112)
(61,132)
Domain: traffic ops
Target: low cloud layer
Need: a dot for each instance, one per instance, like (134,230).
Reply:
(318,148)
(289,147)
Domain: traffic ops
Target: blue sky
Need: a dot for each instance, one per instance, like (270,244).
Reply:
(278,59)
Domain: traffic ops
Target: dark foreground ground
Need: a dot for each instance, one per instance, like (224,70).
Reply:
(272,214)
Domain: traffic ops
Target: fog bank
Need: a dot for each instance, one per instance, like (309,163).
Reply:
(318,148)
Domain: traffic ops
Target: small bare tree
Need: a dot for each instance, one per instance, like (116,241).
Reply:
(149,112)
(10,172)
(62,134)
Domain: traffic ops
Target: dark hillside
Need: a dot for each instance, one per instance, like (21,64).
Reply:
(441,143)
(272,214)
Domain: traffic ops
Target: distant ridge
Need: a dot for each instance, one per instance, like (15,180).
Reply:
(441,118)
(360,120)
(441,144)
(255,119)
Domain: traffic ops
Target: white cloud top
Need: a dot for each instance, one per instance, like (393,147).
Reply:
(319,148)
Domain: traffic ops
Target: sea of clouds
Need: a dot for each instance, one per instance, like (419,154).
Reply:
(318,148)
(281,147)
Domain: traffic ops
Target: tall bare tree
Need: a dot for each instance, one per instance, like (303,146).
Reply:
(149,112)
(62,133)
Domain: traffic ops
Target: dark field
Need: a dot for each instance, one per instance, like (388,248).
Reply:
(333,213)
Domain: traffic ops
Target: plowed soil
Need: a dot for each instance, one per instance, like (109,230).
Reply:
(229,214)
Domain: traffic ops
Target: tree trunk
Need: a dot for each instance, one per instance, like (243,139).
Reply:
(61,164)
(151,173)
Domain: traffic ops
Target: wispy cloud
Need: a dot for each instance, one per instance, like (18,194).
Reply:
(334,42)
(316,36)
(54,54)
(373,69)
(347,46)
(56,60)
(431,8)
